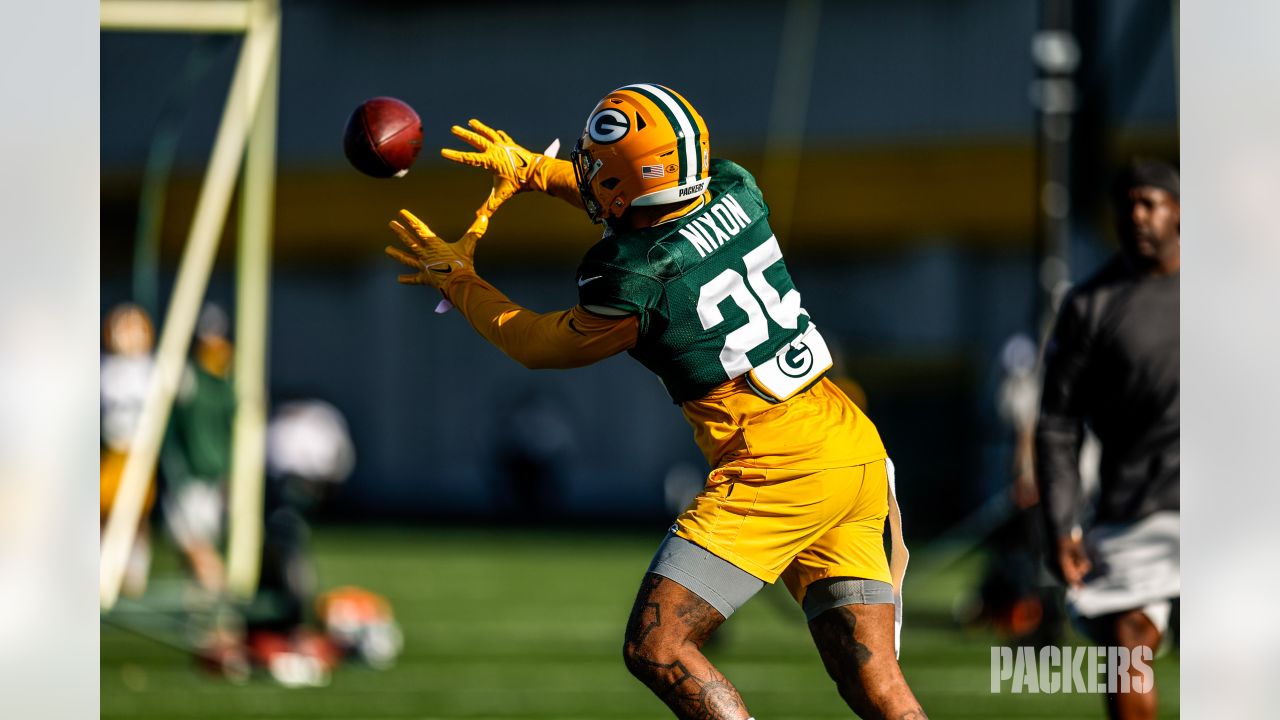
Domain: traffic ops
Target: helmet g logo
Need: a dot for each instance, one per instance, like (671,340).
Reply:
(608,126)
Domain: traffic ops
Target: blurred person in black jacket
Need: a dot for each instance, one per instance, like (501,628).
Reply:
(1112,363)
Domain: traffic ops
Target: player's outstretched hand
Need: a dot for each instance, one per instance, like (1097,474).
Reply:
(495,152)
(514,168)
(434,261)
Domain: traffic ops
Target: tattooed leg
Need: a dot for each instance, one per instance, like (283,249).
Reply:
(665,633)
(856,645)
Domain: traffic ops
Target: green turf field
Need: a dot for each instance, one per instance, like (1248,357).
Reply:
(516,624)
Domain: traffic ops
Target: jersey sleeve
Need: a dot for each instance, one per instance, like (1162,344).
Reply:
(556,178)
(604,285)
(560,340)
(728,175)
(1060,430)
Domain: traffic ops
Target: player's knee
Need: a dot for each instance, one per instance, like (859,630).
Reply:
(644,659)
(632,657)
(1134,629)
(647,653)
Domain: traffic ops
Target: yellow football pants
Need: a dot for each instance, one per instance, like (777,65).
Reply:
(799,490)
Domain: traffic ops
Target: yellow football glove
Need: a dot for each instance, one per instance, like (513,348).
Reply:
(436,262)
(515,169)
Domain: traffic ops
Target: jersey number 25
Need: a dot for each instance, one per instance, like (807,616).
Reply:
(785,310)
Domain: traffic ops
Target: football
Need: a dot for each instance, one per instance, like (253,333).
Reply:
(383,137)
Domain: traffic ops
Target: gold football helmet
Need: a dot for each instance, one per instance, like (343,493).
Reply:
(643,145)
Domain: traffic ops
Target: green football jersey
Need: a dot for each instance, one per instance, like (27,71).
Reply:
(711,290)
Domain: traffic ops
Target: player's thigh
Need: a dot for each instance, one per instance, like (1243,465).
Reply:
(852,635)
(856,644)
(852,548)
(664,617)
(687,592)
(760,519)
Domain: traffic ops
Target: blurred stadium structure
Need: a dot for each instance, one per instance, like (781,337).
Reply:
(936,200)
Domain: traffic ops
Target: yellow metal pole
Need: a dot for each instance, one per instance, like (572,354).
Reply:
(253,268)
(175,15)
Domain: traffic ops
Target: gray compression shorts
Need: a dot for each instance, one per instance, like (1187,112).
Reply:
(834,592)
(725,585)
(728,587)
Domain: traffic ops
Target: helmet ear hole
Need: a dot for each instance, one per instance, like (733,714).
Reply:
(610,183)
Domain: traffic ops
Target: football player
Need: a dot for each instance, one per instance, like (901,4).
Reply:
(689,279)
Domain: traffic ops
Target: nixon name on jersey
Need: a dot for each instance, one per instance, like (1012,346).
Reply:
(723,220)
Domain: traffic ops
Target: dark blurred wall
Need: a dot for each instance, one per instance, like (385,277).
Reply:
(910,70)
(911,242)
(883,71)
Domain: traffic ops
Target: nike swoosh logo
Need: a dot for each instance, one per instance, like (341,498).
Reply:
(584,281)
(444,268)
(516,158)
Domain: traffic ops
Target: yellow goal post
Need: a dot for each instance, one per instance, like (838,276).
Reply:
(246,132)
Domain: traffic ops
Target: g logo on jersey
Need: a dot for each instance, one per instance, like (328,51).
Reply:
(608,126)
(796,361)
